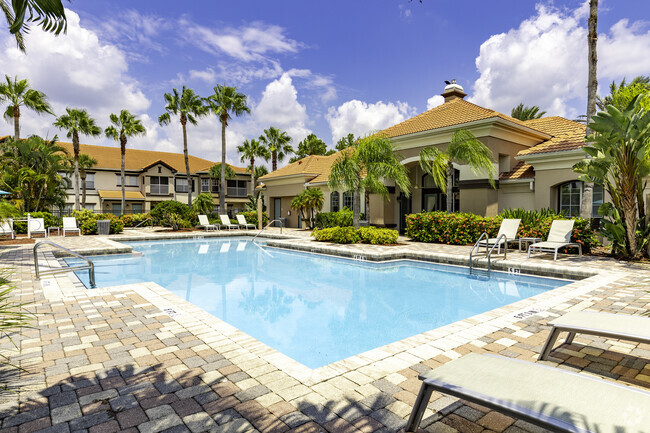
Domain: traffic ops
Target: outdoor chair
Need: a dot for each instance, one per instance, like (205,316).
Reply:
(508,229)
(619,326)
(7,228)
(242,222)
(226,222)
(549,397)
(70,225)
(558,237)
(205,223)
(37,226)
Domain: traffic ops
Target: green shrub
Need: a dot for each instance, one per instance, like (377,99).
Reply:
(173,220)
(324,235)
(170,206)
(345,235)
(465,228)
(251,217)
(342,218)
(89,226)
(50,220)
(133,220)
(377,236)
(83,216)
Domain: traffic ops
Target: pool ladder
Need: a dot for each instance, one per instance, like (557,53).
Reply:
(267,226)
(488,253)
(89,264)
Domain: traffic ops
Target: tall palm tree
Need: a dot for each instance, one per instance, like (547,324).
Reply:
(124,126)
(366,165)
(86,162)
(49,14)
(250,149)
(526,113)
(464,148)
(17,92)
(77,121)
(225,102)
(277,142)
(586,204)
(260,170)
(188,106)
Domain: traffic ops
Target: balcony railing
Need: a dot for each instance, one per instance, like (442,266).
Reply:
(237,192)
(158,189)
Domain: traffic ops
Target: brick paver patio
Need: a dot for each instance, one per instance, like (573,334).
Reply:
(117,359)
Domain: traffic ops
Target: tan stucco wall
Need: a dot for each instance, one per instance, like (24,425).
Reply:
(546,182)
(480,201)
(516,195)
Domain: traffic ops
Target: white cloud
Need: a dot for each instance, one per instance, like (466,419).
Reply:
(247,43)
(434,101)
(73,70)
(544,61)
(360,118)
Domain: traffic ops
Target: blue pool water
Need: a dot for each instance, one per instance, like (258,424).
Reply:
(316,309)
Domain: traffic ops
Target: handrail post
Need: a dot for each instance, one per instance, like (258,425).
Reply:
(29,226)
(38,277)
(91,265)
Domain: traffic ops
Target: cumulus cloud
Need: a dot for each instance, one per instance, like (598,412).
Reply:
(434,101)
(73,70)
(360,118)
(544,61)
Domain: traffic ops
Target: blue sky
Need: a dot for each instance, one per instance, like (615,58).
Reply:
(324,67)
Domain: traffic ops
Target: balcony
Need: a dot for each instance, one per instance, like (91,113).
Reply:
(237,192)
(157,189)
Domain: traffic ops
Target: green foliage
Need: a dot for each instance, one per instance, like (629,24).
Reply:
(342,218)
(278,144)
(529,216)
(252,201)
(349,235)
(174,220)
(311,145)
(169,206)
(8,210)
(132,220)
(526,113)
(345,142)
(89,226)
(215,171)
(377,236)
(251,217)
(50,220)
(203,204)
(465,228)
(48,14)
(309,201)
(13,315)
(345,235)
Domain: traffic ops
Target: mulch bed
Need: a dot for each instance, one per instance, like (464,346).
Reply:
(17,241)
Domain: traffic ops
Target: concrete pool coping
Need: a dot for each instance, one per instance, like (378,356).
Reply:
(376,362)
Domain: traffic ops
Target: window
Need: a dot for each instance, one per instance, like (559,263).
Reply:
(570,198)
(205,185)
(129,180)
(181,185)
(236,188)
(136,207)
(159,185)
(348,199)
(90,180)
(334,201)
(89,207)
(215,186)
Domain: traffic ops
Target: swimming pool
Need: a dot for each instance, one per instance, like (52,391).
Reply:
(313,308)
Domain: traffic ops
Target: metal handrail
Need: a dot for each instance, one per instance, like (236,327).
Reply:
(505,249)
(267,226)
(90,266)
(477,247)
(142,222)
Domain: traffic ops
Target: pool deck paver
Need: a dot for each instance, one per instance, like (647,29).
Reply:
(118,359)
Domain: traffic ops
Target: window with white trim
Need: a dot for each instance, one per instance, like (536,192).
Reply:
(335,201)
(570,198)
(348,199)
(129,180)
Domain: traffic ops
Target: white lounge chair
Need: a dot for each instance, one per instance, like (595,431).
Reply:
(226,222)
(7,228)
(558,237)
(619,326)
(205,223)
(70,225)
(549,397)
(508,230)
(242,222)
(37,226)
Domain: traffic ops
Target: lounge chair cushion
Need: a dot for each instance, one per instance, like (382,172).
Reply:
(567,400)
(608,324)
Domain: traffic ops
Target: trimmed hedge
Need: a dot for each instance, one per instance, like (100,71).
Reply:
(89,226)
(348,235)
(465,228)
(342,218)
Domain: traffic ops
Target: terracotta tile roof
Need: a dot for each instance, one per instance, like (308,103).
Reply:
(520,171)
(317,166)
(454,112)
(129,195)
(137,159)
(567,135)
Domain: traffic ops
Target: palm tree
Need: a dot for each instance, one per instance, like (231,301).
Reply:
(260,170)
(86,162)
(225,102)
(16,93)
(526,113)
(464,148)
(366,165)
(49,14)
(188,106)
(345,142)
(250,149)
(124,126)
(77,121)
(277,142)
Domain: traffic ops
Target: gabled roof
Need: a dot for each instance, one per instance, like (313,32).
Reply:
(566,135)
(451,113)
(312,166)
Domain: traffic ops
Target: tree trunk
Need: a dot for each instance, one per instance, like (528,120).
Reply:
(450,187)
(367,196)
(16,122)
(187,163)
(274,160)
(123,151)
(253,176)
(222,192)
(75,148)
(356,207)
(629,210)
(83,189)
(592,87)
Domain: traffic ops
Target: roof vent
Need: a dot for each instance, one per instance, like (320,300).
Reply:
(453,91)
